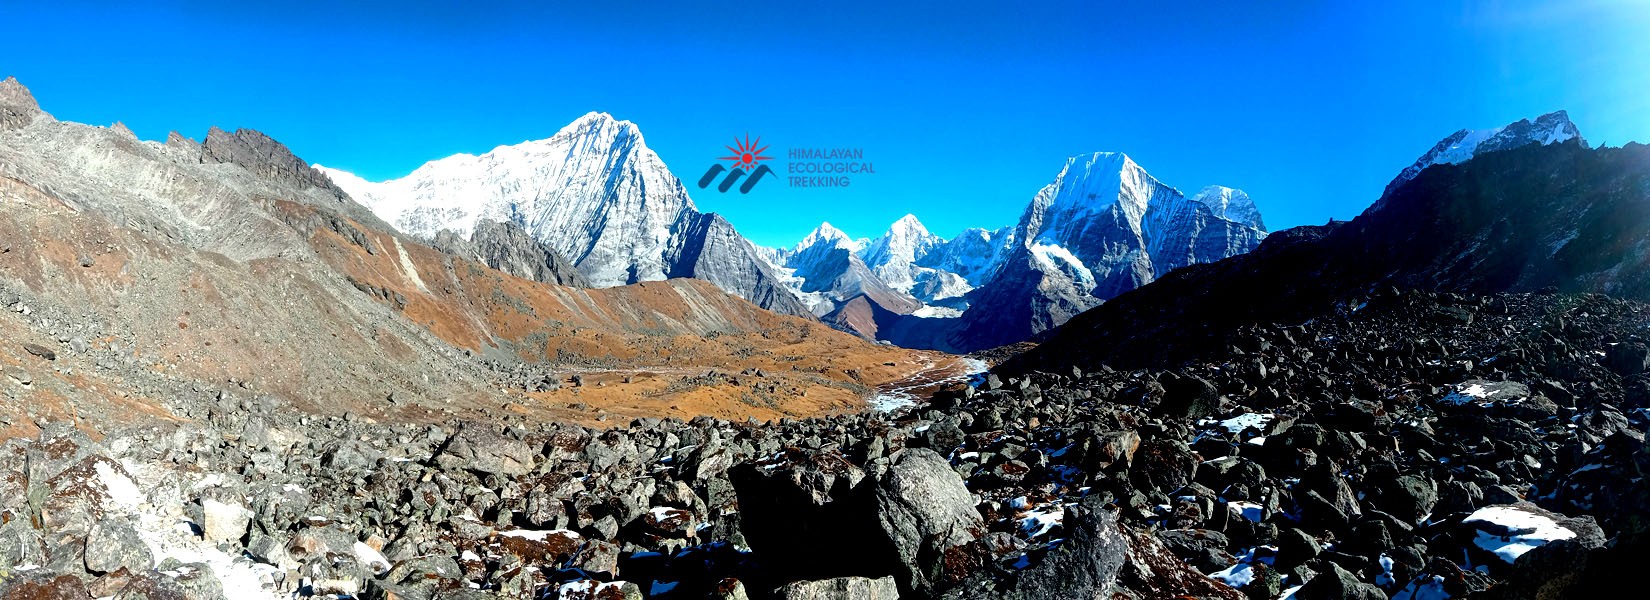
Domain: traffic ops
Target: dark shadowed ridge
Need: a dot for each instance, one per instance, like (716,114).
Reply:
(1560,216)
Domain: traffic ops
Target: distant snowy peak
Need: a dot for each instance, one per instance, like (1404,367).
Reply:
(973,254)
(1461,146)
(905,241)
(826,235)
(1230,204)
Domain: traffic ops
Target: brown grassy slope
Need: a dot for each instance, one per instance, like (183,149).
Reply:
(164,317)
(643,350)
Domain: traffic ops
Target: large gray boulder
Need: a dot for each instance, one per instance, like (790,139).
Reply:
(112,545)
(841,588)
(925,509)
(478,448)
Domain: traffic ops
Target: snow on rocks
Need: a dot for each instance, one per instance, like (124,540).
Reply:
(590,589)
(1510,531)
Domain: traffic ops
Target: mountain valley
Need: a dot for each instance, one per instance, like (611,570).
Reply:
(542,373)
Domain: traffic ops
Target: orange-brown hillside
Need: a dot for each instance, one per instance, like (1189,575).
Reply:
(680,347)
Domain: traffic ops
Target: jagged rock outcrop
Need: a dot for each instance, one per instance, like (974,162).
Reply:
(509,248)
(263,156)
(17,105)
(1461,146)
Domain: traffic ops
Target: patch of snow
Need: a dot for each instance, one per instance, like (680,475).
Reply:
(1060,259)
(1247,510)
(937,312)
(586,588)
(373,559)
(1037,523)
(1237,575)
(122,490)
(407,268)
(1524,531)
(212,480)
(1238,424)
(539,535)
(1423,588)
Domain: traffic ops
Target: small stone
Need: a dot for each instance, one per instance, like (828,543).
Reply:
(40,351)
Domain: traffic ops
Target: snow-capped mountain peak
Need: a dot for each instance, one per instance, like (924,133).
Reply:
(906,241)
(1232,204)
(908,224)
(1089,185)
(595,193)
(1551,128)
(827,235)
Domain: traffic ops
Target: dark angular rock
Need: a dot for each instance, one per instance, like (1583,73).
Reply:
(1627,358)
(1188,397)
(811,515)
(1335,583)
(1163,465)
(1086,565)
(40,351)
(265,157)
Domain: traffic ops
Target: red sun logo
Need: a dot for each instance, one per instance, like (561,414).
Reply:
(746,154)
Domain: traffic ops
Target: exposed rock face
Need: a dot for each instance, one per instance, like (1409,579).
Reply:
(17,106)
(509,248)
(710,249)
(265,157)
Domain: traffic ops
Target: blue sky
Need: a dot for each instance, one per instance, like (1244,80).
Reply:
(966,109)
